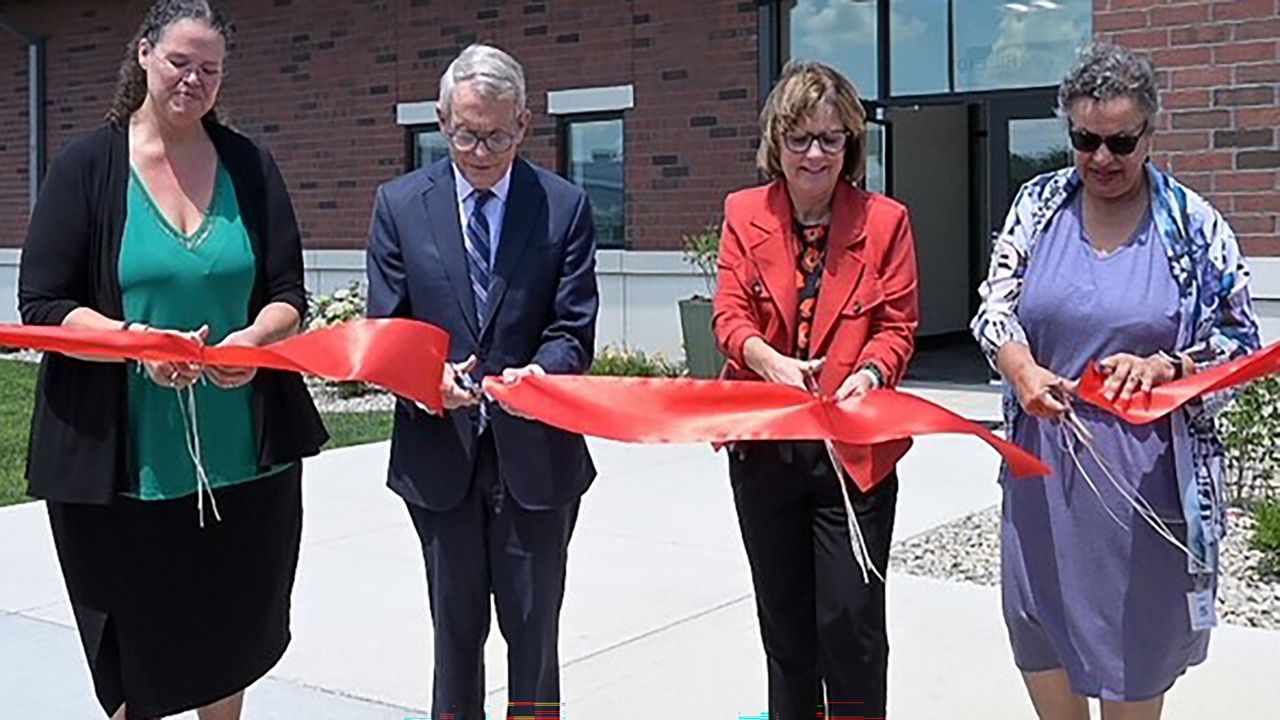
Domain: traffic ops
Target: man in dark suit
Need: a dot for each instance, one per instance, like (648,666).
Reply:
(501,254)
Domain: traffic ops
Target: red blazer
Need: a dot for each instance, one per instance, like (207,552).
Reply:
(867,309)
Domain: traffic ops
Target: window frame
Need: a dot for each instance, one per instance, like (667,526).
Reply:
(564,125)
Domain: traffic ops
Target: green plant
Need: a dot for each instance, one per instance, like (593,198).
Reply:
(1250,430)
(341,305)
(1266,536)
(344,304)
(701,249)
(634,363)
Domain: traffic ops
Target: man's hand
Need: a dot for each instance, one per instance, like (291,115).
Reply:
(453,394)
(511,376)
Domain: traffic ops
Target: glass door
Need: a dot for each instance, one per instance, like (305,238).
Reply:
(1025,139)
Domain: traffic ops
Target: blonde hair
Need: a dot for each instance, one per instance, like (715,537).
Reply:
(803,87)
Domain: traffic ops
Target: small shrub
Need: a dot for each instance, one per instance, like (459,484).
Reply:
(701,249)
(343,304)
(1250,430)
(1266,536)
(634,363)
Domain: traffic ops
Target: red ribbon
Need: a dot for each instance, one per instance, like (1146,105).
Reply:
(1143,408)
(649,410)
(404,356)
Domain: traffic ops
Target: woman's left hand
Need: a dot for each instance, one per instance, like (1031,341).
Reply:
(1127,373)
(858,383)
(234,377)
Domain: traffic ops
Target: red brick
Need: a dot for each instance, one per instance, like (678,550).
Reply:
(1258,202)
(1201,161)
(1252,224)
(1200,77)
(1147,39)
(1186,99)
(1259,138)
(1258,30)
(1125,20)
(305,70)
(1260,51)
(1246,181)
(1243,9)
(1198,119)
(1258,159)
(1244,96)
(1175,141)
(1259,73)
(1183,57)
(1199,35)
(1257,117)
(1260,245)
(1172,15)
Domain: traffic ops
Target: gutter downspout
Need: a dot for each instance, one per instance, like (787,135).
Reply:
(35,106)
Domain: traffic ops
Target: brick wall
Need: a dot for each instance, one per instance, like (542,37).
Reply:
(317,82)
(1219,72)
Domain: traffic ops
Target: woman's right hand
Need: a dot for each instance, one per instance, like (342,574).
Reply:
(1039,390)
(177,375)
(775,367)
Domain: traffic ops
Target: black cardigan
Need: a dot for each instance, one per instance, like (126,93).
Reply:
(77,451)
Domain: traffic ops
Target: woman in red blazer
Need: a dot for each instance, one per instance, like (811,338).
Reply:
(816,278)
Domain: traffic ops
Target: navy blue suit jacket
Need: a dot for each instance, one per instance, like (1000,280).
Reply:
(542,309)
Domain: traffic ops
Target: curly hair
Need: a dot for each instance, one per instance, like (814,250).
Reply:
(1109,72)
(131,87)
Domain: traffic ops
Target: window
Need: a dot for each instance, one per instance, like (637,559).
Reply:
(1017,44)
(918,31)
(426,145)
(840,33)
(938,46)
(594,160)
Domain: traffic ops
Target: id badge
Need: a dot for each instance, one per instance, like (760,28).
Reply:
(1204,614)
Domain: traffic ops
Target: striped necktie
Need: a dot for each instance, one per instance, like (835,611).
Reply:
(478,249)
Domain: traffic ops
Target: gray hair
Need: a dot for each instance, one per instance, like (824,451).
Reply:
(495,73)
(1109,72)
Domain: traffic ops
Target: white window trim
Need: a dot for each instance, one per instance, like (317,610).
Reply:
(574,101)
(418,113)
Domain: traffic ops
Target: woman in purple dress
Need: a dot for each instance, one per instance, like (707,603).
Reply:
(1109,564)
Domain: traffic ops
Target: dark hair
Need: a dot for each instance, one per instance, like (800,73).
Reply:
(131,87)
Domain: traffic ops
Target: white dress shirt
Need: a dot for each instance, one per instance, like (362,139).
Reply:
(494,210)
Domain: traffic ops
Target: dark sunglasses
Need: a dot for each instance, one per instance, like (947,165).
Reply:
(1118,144)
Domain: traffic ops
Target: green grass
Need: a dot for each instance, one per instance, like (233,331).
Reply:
(357,428)
(17,388)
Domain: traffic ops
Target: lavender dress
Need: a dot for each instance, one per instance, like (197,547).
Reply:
(1080,592)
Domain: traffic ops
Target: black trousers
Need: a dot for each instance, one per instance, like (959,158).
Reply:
(823,627)
(489,544)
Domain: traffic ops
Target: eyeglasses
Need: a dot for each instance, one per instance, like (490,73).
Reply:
(830,142)
(498,141)
(1119,144)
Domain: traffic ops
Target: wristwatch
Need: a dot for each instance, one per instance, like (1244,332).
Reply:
(1175,361)
(877,378)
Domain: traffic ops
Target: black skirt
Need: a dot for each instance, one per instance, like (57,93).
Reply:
(174,616)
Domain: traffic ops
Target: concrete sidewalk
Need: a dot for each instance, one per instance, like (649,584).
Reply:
(658,619)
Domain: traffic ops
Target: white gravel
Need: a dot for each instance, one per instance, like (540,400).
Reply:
(968,550)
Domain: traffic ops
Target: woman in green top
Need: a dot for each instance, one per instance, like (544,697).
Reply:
(165,221)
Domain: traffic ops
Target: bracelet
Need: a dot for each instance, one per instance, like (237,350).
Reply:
(128,324)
